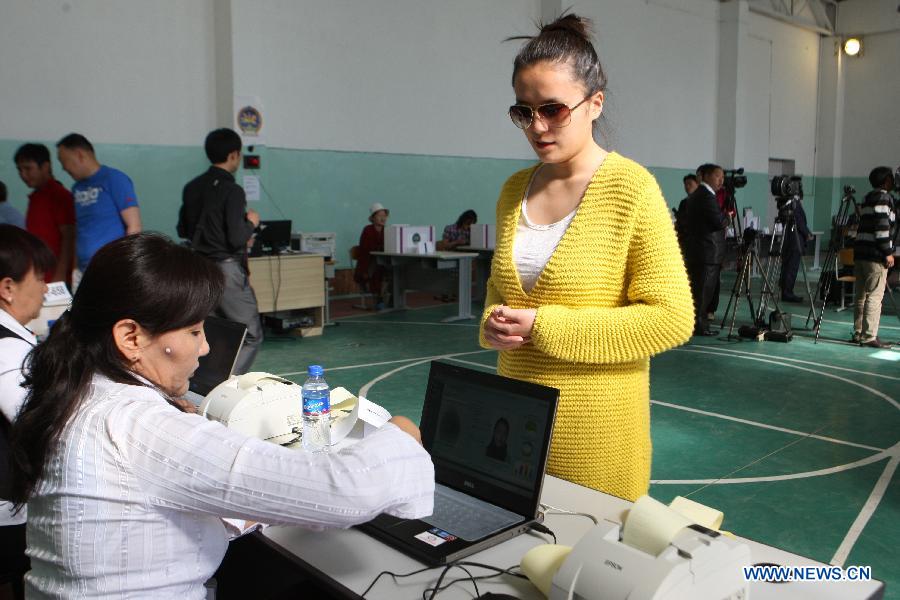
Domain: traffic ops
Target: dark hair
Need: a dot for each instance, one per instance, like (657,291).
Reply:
(879,176)
(4,194)
(21,251)
(220,143)
(689,177)
(75,141)
(469,215)
(707,169)
(36,153)
(145,277)
(567,40)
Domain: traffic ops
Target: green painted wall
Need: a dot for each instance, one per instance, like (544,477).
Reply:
(331,191)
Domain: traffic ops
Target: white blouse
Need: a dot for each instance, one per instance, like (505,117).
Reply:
(131,498)
(535,244)
(12,352)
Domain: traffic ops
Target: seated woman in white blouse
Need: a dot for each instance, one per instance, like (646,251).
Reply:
(126,493)
(23,261)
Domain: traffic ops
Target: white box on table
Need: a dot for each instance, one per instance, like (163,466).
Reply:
(483,236)
(405,239)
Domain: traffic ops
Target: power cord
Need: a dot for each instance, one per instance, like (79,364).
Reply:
(440,585)
(541,528)
(553,510)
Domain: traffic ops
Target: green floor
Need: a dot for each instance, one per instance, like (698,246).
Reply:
(796,443)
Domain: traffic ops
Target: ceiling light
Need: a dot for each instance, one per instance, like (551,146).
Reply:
(852,46)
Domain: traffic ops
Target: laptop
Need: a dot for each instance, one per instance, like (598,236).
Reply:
(488,437)
(225,339)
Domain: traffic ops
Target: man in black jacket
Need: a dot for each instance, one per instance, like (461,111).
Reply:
(873,255)
(704,231)
(792,252)
(215,219)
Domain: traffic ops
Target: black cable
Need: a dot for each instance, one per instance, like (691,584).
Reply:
(394,576)
(507,571)
(434,591)
(541,528)
(497,571)
(438,587)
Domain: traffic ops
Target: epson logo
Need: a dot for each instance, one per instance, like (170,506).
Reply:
(469,484)
(615,566)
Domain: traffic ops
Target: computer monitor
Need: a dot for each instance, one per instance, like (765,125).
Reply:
(274,235)
(225,339)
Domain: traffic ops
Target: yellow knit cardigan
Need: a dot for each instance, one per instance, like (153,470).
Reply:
(613,293)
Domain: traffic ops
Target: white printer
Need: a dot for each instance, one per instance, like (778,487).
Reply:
(698,564)
(660,553)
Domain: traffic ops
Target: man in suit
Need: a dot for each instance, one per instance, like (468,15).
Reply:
(794,242)
(705,226)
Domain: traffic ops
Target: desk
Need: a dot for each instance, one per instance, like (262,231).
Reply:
(348,560)
(482,267)
(461,261)
(290,282)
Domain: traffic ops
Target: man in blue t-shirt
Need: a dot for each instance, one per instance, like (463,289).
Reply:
(106,206)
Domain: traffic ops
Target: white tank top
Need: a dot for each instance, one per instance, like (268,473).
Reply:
(534,244)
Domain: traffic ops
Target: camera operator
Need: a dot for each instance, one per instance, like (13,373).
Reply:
(873,255)
(705,226)
(792,250)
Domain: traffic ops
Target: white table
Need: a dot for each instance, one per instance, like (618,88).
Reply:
(346,561)
(462,261)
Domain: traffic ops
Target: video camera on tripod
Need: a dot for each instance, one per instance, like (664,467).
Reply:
(787,189)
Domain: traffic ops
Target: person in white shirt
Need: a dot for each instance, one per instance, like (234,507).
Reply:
(126,492)
(24,259)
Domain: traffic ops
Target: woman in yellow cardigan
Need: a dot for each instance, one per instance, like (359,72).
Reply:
(587,280)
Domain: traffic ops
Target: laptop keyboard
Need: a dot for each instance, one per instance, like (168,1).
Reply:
(467,517)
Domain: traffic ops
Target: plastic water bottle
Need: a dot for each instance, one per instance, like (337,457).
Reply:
(316,411)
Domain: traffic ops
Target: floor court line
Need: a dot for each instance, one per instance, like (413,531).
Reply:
(771,360)
(364,390)
(862,519)
(765,426)
(411,323)
(729,418)
(794,360)
(385,362)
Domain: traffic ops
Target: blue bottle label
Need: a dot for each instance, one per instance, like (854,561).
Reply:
(316,406)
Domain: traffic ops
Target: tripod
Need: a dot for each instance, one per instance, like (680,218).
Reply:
(829,273)
(742,287)
(787,230)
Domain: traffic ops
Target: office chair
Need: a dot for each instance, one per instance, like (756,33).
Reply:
(363,289)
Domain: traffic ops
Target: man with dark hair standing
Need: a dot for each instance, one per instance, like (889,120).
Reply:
(873,255)
(215,219)
(51,209)
(690,183)
(106,206)
(704,233)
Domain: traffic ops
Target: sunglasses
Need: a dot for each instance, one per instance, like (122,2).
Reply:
(554,114)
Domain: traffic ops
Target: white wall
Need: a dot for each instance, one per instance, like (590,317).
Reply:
(141,72)
(792,91)
(871,133)
(406,76)
(661,61)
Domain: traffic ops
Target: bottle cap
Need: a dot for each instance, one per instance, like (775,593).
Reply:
(315,370)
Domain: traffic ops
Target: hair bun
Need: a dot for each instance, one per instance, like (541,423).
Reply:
(570,23)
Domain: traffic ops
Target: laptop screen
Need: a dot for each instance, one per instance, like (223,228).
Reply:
(225,339)
(488,435)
